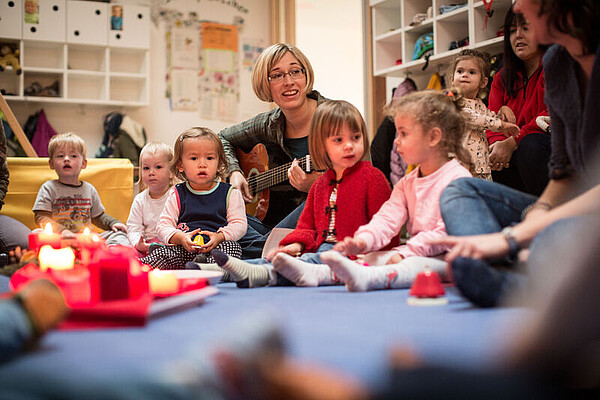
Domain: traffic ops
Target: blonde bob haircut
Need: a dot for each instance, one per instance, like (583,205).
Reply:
(329,119)
(198,133)
(155,149)
(265,62)
(68,140)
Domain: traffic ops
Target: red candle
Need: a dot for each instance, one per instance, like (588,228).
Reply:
(88,243)
(109,276)
(46,237)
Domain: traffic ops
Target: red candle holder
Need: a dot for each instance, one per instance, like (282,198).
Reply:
(116,274)
(39,238)
(88,243)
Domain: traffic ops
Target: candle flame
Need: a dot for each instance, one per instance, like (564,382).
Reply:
(48,228)
(95,238)
(86,231)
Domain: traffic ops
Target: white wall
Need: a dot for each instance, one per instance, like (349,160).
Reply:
(330,33)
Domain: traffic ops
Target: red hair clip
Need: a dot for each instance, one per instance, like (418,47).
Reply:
(449,93)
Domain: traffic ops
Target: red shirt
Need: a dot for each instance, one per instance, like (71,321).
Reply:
(527,105)
(360,194)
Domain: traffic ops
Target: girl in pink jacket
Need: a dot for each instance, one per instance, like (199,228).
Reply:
(430,133)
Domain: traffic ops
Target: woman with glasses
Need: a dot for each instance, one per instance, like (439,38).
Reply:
(282,75)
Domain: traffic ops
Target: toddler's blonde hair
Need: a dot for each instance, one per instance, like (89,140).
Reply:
(67,140)
(155,148)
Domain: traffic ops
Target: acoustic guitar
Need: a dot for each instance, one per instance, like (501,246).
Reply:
(255,166)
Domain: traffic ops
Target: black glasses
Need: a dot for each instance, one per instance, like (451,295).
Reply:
(295,74)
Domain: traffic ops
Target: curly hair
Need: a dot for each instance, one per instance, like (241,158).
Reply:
(436,109)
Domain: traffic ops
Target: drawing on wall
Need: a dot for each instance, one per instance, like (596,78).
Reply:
(184,68)
(251,49)
(219,83)
(116,18)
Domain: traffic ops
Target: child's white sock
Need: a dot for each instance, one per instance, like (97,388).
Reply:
(303,273)
(244,274)
(394,276)
(358,278)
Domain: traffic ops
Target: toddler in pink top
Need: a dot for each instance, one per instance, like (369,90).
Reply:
(430,133)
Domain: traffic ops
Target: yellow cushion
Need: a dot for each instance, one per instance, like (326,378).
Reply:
(112,178)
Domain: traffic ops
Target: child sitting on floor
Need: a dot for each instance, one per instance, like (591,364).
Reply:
(346,196)
(470,71)
(201,205)
(69,204)
(155,181)
(430,129)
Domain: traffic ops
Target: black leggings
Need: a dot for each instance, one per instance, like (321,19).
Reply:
(528,167)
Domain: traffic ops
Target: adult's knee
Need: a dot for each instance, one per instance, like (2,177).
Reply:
(534,148)
(457,189)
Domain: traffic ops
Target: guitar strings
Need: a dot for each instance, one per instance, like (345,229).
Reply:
(266,179)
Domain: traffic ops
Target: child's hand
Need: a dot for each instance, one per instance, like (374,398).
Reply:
(510,129)
(214,239)
(395,259)
(119,227)
(142,246)
(506,114)
(185,240)
(293,249)
(350,246)
(67,234)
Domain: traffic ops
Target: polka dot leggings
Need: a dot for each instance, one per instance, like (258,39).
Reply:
(175,257)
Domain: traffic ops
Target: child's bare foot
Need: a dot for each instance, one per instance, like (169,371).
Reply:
(44,303)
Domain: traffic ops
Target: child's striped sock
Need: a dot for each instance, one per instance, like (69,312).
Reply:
(244,274)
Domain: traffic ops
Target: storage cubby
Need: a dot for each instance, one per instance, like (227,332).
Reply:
(42,55)
(37,84)
(86,58)
(128,61)
(10,84)
(128,90)
(86,86)
(71,44)
(394,35)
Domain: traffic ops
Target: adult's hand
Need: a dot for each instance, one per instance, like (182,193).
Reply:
(492,245)
(237,180)
(501,152)
(300,179)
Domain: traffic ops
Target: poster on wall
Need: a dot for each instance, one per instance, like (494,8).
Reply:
(184,66)
(219,84)
(251,49)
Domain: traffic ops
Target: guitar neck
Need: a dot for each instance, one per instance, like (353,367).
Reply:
(264,180)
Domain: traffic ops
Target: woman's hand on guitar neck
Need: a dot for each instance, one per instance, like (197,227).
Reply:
(237,180)
(300,179)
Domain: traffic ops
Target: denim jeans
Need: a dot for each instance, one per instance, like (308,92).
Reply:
(472,206)
(254,240)
(12,234)
(15,329)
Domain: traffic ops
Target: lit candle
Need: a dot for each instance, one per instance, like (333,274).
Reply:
(88,243)
(45,237)
(61,259)
(163,283)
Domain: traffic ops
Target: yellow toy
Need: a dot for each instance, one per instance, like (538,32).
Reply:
(198,240)
(8,56)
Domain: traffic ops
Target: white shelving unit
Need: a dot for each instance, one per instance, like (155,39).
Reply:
(73,44)
(394,38)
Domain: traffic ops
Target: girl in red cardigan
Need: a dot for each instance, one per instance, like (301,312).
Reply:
(345,197)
